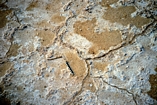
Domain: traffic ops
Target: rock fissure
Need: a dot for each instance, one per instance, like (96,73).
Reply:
(52,52)
(133,96)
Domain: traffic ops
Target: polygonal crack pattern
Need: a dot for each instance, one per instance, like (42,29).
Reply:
(100,52)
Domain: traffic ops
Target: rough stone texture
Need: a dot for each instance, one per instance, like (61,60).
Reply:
(78,52)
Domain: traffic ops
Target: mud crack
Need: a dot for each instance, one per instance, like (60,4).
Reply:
(69,102)
(126,43)
(133,96)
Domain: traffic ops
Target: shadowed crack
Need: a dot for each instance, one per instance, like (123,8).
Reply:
(133,96)
(57,30)
(54,58)
(125,44)
(9,35)
(81,89)
(59,38)
(72,15)
(67,6)
(17,19)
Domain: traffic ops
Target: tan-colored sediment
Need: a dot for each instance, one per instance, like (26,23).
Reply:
(100,66)
(13,51)
(89,85)
(57,18)
(102,41)
(40,87)
(77,65)
(3,19)
(122,15)
(32,5)
(4,67)
(47,36)
(54,6)
(153,81)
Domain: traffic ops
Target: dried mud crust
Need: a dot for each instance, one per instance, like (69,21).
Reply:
(4,12)
(78,52)
(122,15)
(102,41)
(153,82)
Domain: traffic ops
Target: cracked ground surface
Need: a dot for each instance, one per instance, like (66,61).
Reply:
(78,52)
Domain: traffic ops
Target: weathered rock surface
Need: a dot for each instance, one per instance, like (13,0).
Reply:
(78,52)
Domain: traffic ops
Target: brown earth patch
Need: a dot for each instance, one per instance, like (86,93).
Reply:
(77,65)
(4,67)
(13,51)
(153,81)
(100,66)
(102,41)
(57,18)
(47,36)
(122,15)
(89,85)
(3,18)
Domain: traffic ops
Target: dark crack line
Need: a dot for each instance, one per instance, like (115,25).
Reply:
(57,30)
(10,35)
(54,58)
(124,44)
(95,58)
(67,6)
(110,51)
(70,17)
(17,19)
(68,45)
(65,24)
(119,88)
(143,32)
(81,89)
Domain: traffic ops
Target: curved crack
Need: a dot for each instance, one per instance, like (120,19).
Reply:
(59,37)
(81,89)
(119,88)
(124,44)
